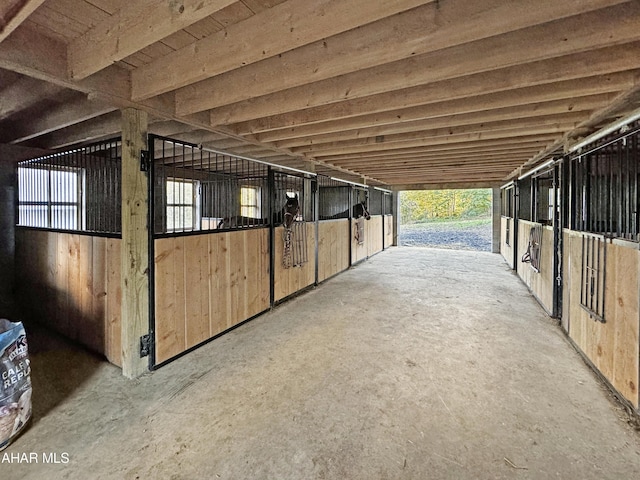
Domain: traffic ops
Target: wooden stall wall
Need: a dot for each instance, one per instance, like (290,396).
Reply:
(372,239)
(506,248)
(566,280)
(333,247)
(71,283)
(288,281)
(540,283)
(206,284)
(613,347)
(388,231)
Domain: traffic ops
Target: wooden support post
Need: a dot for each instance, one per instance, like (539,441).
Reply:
(495,216)
(135,243)
(395,210)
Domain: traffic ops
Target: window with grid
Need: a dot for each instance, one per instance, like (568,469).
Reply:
(251,202)
(182,205)
(50,197)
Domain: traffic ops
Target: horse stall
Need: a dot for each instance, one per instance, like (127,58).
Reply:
(535,261)
(387,219)
(334,212)
(294,236)
(210,244)
(601,259)
(366,229)
(577,241)
(68,244)
(231,237)
(535,239)
(507,224)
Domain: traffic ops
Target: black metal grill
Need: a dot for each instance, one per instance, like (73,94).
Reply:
(604,186)
(592,292)
(76,190)
(375,201)
(197,189)
(333,198)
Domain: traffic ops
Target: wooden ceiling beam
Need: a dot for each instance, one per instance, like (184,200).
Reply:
(629,99)
(584,104)
(437,160)
(25,93)
(567,90)
(399,132)
(446,186)
(408,161)
(454,166)
(66,114)
(16,14)
(135,26)
(274,31)
(91,130)
(441,150)
(481,146)
(35,55)
(447,135)
(468,139)
(440,76)
(400,180)
(349,147)
(433,163)
(422,30)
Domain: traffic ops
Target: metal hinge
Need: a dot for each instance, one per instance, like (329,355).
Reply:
(145,345)
(145,161)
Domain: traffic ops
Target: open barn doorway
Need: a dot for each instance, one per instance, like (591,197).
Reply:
(450,219)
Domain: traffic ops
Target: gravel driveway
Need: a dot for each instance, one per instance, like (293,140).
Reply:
(458,235)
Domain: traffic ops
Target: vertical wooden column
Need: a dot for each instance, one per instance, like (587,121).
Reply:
(395,210)
(495,220)
(135,243)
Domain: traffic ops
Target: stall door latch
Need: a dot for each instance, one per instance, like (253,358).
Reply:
(145,161)
(145,345)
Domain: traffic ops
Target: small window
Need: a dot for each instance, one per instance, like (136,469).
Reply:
(507,232)
(182,205)
(544,199)
(251,202)
(50,198)
(593,276)
(507,202)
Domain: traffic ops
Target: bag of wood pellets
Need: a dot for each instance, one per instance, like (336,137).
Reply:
(15,382)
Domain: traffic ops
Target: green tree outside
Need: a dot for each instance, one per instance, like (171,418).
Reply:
(428,205)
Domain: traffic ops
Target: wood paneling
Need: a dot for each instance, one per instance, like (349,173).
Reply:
(372,239)
(333,247)
(113,301)
(288,281)
(206,284)
(71,283)
(506,249)
(613,347)
(540,283)
(388,231)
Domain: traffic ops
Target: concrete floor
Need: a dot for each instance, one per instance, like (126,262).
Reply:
(417,364)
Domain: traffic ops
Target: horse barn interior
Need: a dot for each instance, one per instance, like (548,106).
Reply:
(170,170)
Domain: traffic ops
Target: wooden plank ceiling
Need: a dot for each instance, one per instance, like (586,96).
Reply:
(404,93)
